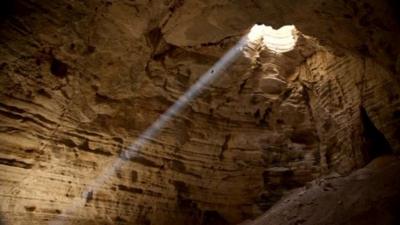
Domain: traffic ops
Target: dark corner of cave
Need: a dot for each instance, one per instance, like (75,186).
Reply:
(194,112)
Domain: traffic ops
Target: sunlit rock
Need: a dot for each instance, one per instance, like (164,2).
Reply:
(81,81)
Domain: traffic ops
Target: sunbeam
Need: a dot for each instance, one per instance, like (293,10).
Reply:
(156,127)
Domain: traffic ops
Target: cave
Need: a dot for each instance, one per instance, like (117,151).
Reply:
(176,112)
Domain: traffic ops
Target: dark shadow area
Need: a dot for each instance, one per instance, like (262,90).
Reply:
(58,68)
(11,8)
(276,183)
(7,8)
(395,5)
(213,218)
(374,143)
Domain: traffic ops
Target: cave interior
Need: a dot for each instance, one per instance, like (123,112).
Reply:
(200,112)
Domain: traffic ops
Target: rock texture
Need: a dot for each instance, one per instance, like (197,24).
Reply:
(367,196)
(80,80)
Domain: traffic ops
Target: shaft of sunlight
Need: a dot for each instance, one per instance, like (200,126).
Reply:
(155,128)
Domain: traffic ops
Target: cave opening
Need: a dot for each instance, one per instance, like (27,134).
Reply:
(374,142)
(276,40)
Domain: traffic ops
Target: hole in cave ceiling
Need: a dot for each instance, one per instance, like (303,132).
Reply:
(277,40)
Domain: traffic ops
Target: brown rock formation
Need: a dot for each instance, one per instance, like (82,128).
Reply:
(368,196)
(81,80)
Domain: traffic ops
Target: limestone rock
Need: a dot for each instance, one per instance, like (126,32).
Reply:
(367,196)
(81,80)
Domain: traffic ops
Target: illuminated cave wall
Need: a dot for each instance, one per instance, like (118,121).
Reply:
(81,80)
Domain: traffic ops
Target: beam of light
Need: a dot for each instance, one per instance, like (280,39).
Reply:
(155,128)
(278,41)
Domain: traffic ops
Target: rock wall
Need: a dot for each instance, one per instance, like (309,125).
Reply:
(81,80)
(342,92)
(367,196)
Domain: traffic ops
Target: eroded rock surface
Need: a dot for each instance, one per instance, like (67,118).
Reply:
(368,196)
(80,80)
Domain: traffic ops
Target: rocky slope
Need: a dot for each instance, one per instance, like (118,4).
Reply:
(368,196)
(80,80)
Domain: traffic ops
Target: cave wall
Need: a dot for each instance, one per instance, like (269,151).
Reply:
(337,200)
(340,89)
(81,80)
